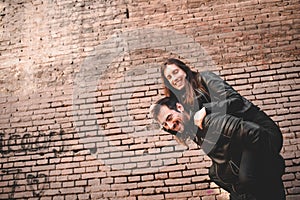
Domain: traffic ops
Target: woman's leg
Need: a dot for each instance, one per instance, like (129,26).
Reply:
(248,173)
(273,164)
(274,136)
(270,164)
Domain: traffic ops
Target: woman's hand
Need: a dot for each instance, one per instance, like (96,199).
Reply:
(199,116)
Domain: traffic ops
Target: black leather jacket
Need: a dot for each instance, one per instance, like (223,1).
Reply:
(222,97)
(224,137)
(225,133)
(222,102)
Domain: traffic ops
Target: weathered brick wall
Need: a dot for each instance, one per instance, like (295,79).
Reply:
(77,79)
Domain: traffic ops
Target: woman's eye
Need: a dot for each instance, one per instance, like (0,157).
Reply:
(175,71)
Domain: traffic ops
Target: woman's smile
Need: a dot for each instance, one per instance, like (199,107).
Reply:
(178,82)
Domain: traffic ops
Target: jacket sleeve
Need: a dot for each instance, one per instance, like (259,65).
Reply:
(226,134)
(223,97)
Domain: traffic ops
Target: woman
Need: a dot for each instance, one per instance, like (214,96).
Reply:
(206,92)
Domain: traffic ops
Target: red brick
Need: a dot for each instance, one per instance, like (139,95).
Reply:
(124,186)
(81,183)
(72,190)
(178,195)
(134,178)
(175,174)
(178,181)
(148,197)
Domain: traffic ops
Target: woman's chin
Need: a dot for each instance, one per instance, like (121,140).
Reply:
(180,88)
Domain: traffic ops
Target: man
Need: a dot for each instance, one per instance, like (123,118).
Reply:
(241,161)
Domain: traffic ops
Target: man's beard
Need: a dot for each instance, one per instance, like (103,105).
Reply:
(190,130)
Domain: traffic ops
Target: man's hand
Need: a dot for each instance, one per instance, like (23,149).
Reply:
(199,116)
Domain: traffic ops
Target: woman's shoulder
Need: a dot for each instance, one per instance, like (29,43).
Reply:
(208,75)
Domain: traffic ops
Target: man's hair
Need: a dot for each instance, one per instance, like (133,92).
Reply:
(170,102)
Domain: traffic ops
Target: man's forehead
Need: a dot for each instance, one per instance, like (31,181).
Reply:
(163,113)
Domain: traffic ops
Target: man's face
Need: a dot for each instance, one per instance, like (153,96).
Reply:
(172,119)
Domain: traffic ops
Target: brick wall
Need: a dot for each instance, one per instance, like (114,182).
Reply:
(77,79)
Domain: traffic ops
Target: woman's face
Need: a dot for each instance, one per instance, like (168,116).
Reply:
(175,76)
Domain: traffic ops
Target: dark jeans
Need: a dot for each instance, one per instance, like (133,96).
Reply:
(265,185)
(269,165)
(261,176)
(225,185)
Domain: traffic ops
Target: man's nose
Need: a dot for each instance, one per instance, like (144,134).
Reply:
(170,125)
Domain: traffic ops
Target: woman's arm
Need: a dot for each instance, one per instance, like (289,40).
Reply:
(224,98)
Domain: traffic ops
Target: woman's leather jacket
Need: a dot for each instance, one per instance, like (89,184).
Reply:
(225,133)
(222,97)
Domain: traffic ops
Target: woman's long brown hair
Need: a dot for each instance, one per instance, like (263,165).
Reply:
(192,82)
